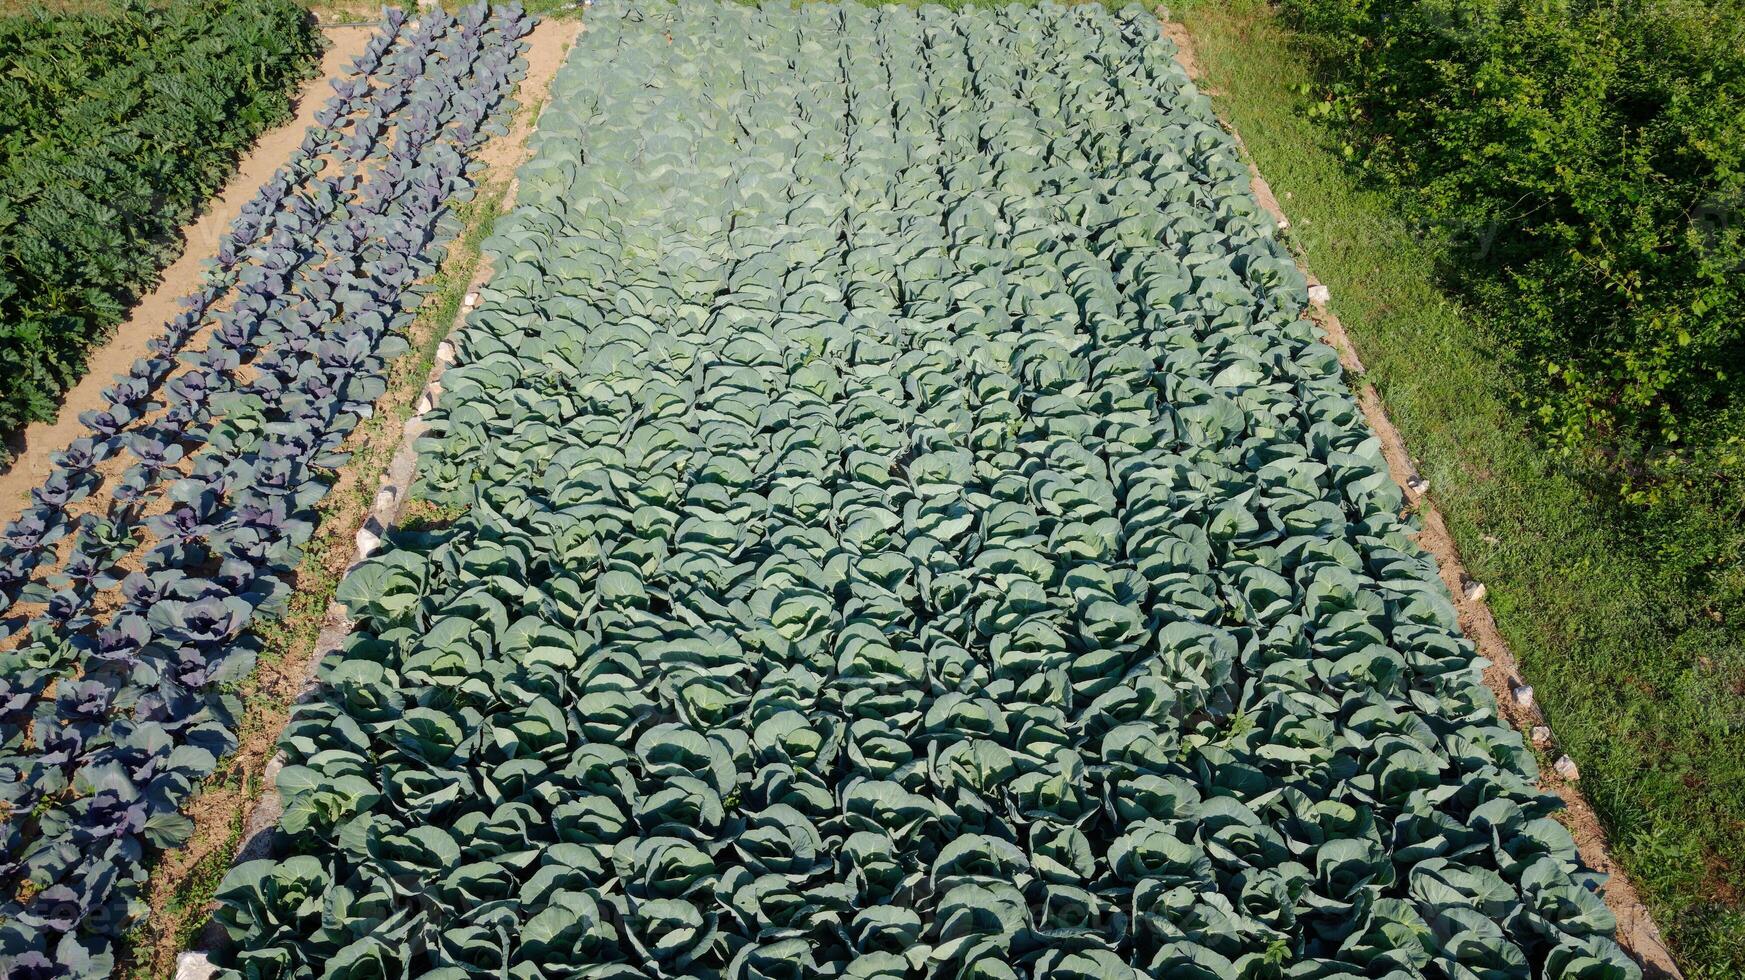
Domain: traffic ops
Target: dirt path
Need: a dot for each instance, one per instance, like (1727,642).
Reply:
(1637,932)
(239,804)
(39,440)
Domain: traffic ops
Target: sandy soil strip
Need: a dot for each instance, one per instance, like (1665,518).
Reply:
(41,439)
(1637,932)
(367,499)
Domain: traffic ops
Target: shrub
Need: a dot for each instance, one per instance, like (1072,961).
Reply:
(1587,160)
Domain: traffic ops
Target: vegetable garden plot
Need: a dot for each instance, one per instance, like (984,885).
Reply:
(128,586)
(904,528)
(117,122)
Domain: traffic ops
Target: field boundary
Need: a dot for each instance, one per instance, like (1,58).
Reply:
(1636,932)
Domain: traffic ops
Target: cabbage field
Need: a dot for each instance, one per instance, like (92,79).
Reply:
(129,584)
(895,521)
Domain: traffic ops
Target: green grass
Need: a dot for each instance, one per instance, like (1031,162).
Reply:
(1643,686)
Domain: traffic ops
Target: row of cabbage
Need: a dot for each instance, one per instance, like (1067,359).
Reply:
(904,528)
(129,583)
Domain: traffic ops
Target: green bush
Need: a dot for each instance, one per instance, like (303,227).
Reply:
(1588,161)
(114,128)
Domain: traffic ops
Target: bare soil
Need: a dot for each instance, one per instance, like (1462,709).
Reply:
(1637,932)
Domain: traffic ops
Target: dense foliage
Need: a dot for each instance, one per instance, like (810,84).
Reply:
(128,586)
(115,127)
(1587,158)
(904,527)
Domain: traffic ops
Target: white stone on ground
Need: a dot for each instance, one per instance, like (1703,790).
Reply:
(194,966)
(367,542)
